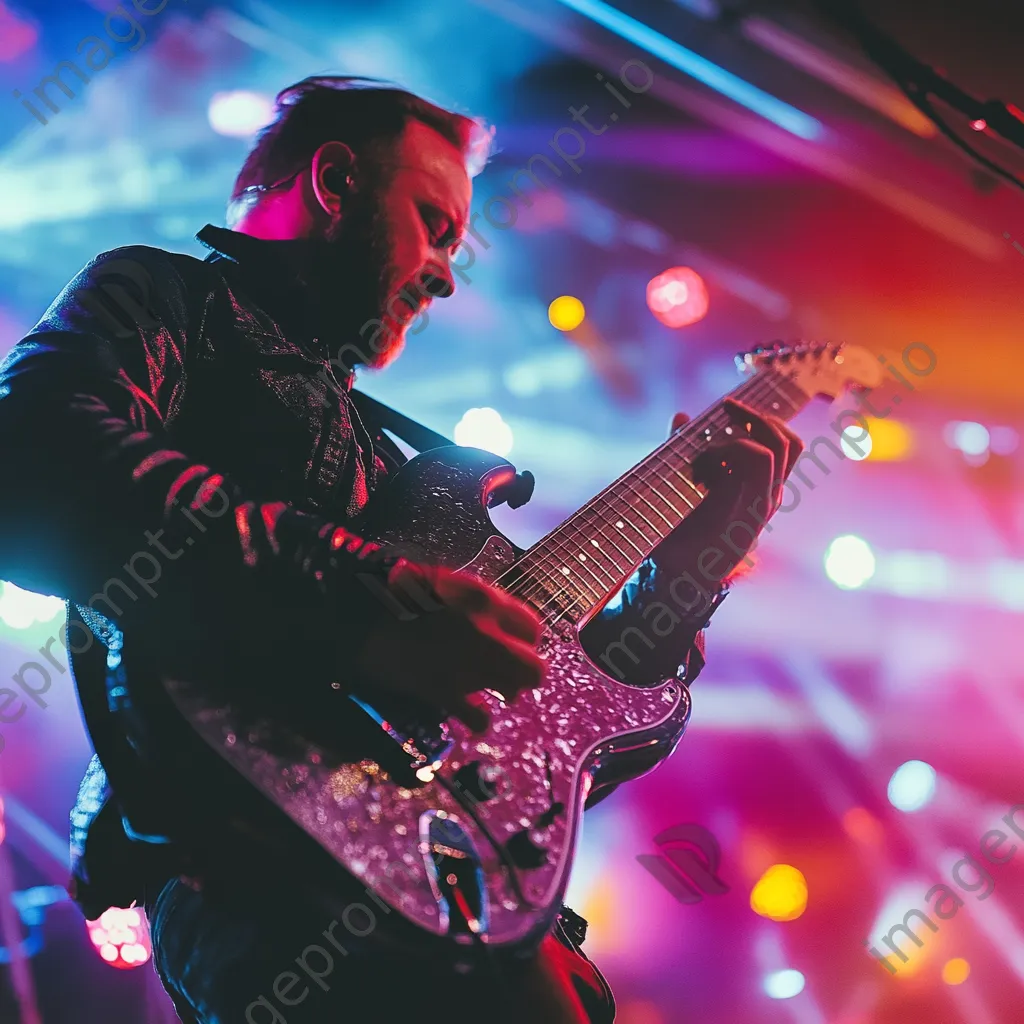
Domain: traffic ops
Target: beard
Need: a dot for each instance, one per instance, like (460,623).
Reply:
(352,288)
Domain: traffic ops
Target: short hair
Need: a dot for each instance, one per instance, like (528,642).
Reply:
(354,110)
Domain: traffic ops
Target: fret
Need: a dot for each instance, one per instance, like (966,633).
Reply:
(626,532)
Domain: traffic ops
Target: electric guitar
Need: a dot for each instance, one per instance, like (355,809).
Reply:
(470,837)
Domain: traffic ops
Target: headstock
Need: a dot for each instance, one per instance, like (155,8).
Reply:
(826,369)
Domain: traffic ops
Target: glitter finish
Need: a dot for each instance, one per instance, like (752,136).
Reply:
(549,745)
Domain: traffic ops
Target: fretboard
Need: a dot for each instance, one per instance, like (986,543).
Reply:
(581,563)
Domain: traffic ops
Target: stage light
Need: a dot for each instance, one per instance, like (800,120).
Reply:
(678,297)
(849,562)
(784,984)
(862,825)
(566,313)
(700,68)
(971,438)
(912,786)
(16,36)
(956,971)
(780,893)
(891,441)
(240,113)
(121,937)
(20,609)
(484,428)
(857,445)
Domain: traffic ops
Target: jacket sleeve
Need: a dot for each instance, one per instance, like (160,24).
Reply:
(96,504)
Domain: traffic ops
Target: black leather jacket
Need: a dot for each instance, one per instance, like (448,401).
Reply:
(177,454)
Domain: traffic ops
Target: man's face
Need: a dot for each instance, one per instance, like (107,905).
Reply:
(397,238)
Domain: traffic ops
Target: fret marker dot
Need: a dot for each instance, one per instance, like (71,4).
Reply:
(775,405)
(565,569)
(594,542)
(728,430)
(620,524)
(583,557)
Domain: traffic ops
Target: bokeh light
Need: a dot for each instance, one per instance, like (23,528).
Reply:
(780,893)
(849,561)
(784,984)
(891,441)
(484,428)
(912,786)
(566,313)
(678,297)
(121,937)
(856,445)
(240,113)
(860,824)
(956,971)
(969,437)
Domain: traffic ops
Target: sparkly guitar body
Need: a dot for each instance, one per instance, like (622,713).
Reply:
(470,837)
(514,795)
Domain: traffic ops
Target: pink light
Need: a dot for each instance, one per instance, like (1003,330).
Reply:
(16,37)
(121,937)
(678,297)
(980,125)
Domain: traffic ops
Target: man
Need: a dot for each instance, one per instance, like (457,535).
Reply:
(193,422)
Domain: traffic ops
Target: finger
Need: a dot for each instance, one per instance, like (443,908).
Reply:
(680,419)
(796,448)
(502,662)
(765,430)
(516,617)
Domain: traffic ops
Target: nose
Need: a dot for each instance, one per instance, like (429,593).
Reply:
(437,280)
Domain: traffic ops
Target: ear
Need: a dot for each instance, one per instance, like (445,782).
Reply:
(332,163)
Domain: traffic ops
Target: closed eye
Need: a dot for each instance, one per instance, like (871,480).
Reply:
(439,226)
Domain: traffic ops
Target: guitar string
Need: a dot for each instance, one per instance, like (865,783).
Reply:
(755,389)
(544,567)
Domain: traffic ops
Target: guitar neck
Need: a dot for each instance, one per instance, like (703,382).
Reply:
(580,564)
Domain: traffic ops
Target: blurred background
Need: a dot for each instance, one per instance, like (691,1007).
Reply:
(860,723)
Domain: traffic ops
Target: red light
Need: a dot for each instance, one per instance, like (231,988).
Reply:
(980,125)
(121,937)
(678,297)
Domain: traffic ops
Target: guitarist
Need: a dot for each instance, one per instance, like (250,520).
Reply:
(180,449)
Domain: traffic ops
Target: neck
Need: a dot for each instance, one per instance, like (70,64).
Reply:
(577,567)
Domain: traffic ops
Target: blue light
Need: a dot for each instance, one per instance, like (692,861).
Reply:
(696,66)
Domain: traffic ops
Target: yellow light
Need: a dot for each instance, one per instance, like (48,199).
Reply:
(891,441)
(780,893)
(566,313)
(955,971)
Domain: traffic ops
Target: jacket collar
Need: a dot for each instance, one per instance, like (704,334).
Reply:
(280,272)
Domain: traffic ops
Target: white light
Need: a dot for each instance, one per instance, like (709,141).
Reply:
(858,445)
(241,113)
(912,786)
(784,984)
(484,428)
(19,608)
(971,438)
(849,562)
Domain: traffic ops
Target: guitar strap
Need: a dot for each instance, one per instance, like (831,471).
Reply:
(422,438)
